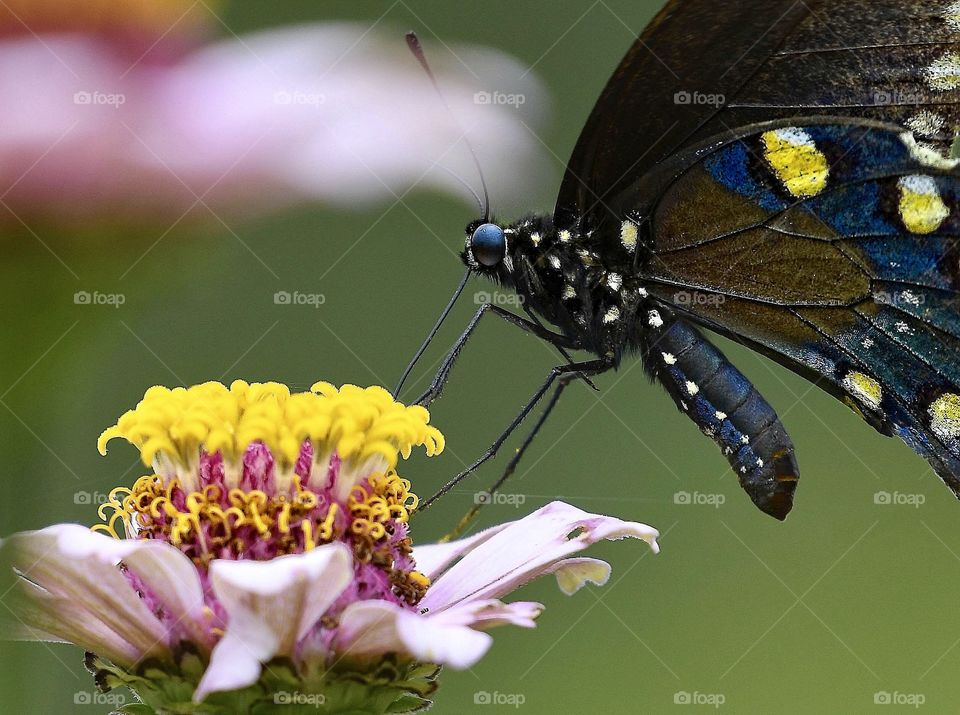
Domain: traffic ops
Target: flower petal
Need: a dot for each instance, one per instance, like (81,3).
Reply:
(432,559)
(487,614)
(270,606)
(67,584)
(527,549)
(572,574)
(373,628)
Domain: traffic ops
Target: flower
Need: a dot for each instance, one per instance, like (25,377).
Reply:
(118,109)
(268,552)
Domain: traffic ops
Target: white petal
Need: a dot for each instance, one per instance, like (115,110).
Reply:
(373,628)
(525,550)
(270,606)
(70,586)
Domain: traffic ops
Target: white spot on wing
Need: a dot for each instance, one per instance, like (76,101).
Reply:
(944,72)
(612,315)
(692,388)
(952,15)
(669,359)
(654,320)
(926,123)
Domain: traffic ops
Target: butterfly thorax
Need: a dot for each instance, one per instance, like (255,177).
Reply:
(593,297)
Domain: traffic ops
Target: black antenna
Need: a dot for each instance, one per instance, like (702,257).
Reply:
(433,333)
(463,182)
(413,42)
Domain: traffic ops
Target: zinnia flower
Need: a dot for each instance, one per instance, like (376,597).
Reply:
(268,554)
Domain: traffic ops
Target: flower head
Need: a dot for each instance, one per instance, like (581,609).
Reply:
(271,545)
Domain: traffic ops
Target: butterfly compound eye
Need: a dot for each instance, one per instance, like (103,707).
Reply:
(488,244)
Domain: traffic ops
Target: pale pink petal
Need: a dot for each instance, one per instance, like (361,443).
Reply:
(29,613)
(270,606)
(525,550)
(67,583)
(432,559)
(373,628)
(487,614)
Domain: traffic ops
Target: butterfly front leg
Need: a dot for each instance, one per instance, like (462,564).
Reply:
(727,408)
(558,378)
(443,372)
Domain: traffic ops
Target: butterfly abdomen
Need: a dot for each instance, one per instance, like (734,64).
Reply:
(727,408)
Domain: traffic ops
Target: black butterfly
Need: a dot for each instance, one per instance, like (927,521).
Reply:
(779,172)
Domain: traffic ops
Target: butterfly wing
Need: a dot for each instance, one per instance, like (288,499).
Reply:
(831,247)
(702,67)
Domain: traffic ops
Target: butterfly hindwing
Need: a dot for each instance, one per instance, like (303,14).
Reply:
(832,247)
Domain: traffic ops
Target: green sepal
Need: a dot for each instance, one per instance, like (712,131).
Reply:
(389,686)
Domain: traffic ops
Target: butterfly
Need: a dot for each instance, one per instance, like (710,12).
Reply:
(780,173)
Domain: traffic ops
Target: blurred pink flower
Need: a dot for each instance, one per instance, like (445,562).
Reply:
(337,113)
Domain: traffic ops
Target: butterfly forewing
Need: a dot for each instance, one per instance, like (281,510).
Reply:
(702,69)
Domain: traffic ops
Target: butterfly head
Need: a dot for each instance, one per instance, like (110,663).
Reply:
(485,247)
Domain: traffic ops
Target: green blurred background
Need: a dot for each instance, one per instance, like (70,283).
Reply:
(847,599)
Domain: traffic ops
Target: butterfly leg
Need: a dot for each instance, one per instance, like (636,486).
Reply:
(562,375)
(443,373)
(511,467)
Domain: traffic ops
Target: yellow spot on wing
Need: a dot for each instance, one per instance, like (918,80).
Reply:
(864,388)
(945,416)
(628,235)
(921,207)
(796,161)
